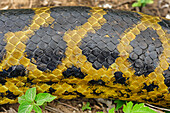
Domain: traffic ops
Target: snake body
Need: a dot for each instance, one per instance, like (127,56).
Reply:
(85,52)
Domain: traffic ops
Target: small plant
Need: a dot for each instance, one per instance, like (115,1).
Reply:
(130,107)
(86,106)
(119,103)
(142,3)
(137,108)
(31,101)
(112,110)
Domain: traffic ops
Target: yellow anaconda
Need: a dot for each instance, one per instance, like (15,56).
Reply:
(85,52)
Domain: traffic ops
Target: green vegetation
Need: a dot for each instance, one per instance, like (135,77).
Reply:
(119,103)
(130,107)
(142,3)
(86,106)
(137,108)
(110,110)
(31,101)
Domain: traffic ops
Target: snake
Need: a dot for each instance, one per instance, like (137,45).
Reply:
(86,52)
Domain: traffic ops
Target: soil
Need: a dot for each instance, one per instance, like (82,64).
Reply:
(158,8)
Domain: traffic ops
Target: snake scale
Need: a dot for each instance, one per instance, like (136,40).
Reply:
(85,52)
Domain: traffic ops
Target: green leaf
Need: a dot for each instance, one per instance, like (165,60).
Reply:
(137,108)
(119,103)
(25,107)
(37,109)
(144,4)
(51,98)
(30,94)
(127,108)
(142,1)
(136,4)
(86,106)
(167,112)
(44,97)
(112,110)
(149,1)
(21,99)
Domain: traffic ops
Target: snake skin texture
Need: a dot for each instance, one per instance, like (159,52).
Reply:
(85,52)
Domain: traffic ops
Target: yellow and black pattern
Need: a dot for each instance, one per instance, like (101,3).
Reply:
(85,52)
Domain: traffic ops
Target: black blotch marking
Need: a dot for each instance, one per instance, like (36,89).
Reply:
(166,74)
(155,100)
(119,78)
(12,21)
(147,100)
(69,17)
(140,92)
(122,17)
(74,93)
(2,47)
(15,20)
(2,80)
(30,81)
(97,93)
(97,82)
(160,97)
(127,95)
(146,50)
(75,72)
(128,90)
(165,24)
(121,94)
(100,48)
(47,47)
(51,90)
(18,70)
(150,87)
(80,95)
(12,72)
(50,83)
(10,95)
(68,93)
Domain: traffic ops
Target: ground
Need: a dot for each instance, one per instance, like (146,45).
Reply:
(159,8)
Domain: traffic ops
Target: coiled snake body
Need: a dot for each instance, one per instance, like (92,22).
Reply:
(85,52)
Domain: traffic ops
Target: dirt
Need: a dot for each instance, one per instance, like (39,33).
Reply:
(158,8)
